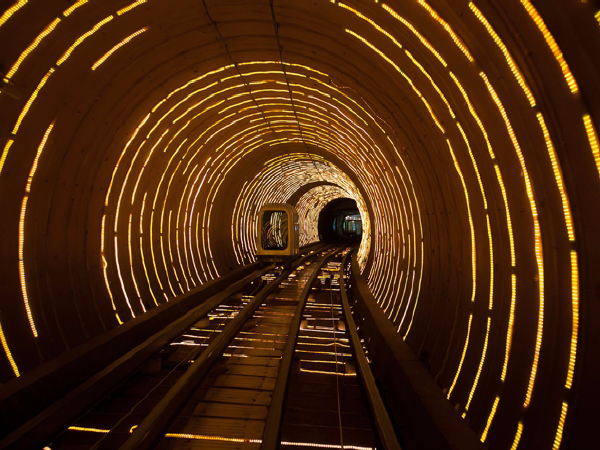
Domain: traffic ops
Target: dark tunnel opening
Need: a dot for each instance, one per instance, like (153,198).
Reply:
(340,220)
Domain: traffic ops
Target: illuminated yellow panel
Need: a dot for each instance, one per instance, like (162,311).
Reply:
(82,38)
(570,79)
(561,426)
(130,7)
(31,47)
(558,177)
(117,47)
(592,137)
(448,29)
(511,63)
(10,11)
(22,231)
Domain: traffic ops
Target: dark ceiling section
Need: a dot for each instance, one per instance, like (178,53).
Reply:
(138,140)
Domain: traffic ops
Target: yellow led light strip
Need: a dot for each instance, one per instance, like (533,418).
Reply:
(511,63)
(538,251)
(377,27)
(518,435)
(592,137)
(69,11)
(448,29)
(10,11)
(489,320)
(569,78)
(473,266)
(558,177)
(560,429)
(419,36)
(9,355)
(82,38)
(490,418)
(9,143)
(31,47)
(207,437)
(393,64)
(31,100)
(130,7)
(117,47)
(22,231)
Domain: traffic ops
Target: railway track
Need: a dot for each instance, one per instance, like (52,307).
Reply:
(274,365)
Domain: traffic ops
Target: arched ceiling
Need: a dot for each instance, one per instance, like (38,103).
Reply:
(139,140)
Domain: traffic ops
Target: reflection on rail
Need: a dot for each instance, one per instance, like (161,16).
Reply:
(273,365)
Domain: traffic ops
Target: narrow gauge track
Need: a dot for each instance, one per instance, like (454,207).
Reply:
(223,383)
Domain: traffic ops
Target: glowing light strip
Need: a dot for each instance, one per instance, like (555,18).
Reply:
(473,266)
(489,319)
(419,36)
(511,323)
(69,11)
(558,177)
(117,47)
(207,437)
(518,435)
(9,355)
(31,47)
(591,133)
(10,11)
(31,100)
(490,418)
(9,143)
(552,44)
(81,38)
(22,231)
(561,424)
(377,27)
(130,7)
(575,318)
(511,63)
(537,237)
(448,29)
(393,64)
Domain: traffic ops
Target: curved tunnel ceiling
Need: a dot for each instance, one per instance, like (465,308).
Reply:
(139,140)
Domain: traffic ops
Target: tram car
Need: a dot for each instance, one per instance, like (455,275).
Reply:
(278,234)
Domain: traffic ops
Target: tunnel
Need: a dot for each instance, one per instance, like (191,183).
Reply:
(140,140)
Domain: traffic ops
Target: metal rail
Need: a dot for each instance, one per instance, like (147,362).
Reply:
(385,429)
(270,439)
(154,425)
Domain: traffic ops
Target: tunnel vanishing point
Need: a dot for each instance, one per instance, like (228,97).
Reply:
(138,142)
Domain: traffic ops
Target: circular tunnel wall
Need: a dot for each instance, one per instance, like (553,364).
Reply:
(140,139)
